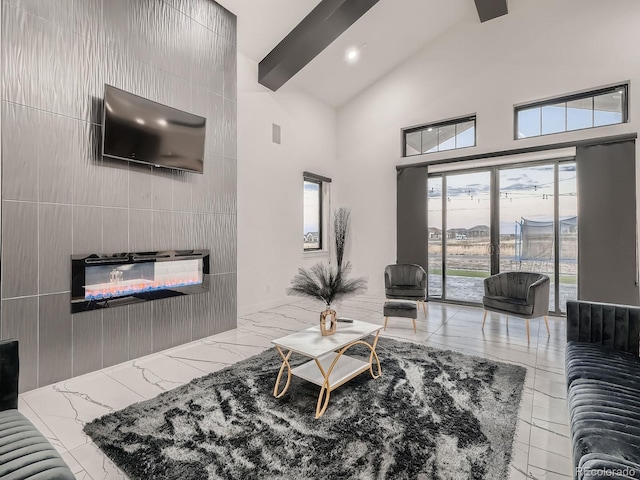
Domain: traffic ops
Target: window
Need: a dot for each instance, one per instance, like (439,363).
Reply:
(441,136)
(313,212)
(605,106)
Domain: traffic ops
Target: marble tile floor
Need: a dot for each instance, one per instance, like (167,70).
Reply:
(541,448)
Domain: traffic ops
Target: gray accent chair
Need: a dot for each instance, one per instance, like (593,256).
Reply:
(24,452)
(603,389)
(406,281)
(521,294)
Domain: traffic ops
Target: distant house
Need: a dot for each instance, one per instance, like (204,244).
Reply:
(435,233)
(312,237)
(457,233)
(479,231)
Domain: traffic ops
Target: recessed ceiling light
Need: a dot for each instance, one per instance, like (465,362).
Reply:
(140,121)
(352,55)
(162,122)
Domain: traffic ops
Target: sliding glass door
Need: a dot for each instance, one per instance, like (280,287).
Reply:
(468,238)
(503,218)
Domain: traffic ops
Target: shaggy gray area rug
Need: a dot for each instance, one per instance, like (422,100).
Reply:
(432,414)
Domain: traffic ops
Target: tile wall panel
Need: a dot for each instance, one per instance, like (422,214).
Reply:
(140,329)
(181,319)
(87,181)
(58,153)
(224,244)
(184,236)
(162,333)
(19,249)
(229,147)
(140,187)
(140,230)
(230,71)
(86,230)
(202,314)
(115,336)
(20,321)
(182,191)
(61,197)
(20,157)
(54,247)
(162,186)
(55,338)
(87,342)
(115,230)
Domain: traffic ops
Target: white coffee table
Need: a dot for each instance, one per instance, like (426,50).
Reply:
(329,367)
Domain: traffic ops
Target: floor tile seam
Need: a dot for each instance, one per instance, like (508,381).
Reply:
(121,474)
(128,387)
(534,418)
(205,372)
(476,353)
(563,475)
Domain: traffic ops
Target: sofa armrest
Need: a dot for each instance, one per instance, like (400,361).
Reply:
(609,325)
(9,370)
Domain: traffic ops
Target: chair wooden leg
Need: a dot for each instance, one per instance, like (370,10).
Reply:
(414,326)
(527,323)
(507,321)
(386,319)
(424,308)
(484,319)
(546,322)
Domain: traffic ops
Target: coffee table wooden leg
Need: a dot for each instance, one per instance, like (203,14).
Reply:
(325,390)
(374,355)
(285,363)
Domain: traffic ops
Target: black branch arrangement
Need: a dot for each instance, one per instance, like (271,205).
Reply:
(327,282)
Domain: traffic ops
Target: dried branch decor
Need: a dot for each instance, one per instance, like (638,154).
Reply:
(327,282)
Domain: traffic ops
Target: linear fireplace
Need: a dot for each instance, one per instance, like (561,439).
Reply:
(103,281)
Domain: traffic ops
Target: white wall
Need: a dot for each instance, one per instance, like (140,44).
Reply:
(270,196)
(540,49)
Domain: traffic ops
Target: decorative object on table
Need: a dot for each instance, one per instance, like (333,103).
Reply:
(327,282)
(229,425)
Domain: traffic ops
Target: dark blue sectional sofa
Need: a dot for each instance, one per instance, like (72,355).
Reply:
(603,381)
(25,454)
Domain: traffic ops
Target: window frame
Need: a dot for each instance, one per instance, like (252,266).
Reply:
(442,123)
(320,181)
(582,95)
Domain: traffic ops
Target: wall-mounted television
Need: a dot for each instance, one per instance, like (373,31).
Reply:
(140,130)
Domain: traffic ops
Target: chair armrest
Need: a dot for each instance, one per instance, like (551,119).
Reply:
(609,325)
(536,288)
(387,277)
(9,371)
(421,278)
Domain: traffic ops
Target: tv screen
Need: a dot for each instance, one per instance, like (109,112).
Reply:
(143,131)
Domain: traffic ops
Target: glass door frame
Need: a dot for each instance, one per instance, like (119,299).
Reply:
(494,188)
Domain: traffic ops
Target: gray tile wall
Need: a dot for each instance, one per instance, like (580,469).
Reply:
(59,198)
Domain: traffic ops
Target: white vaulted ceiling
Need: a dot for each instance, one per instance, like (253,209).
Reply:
(393,31)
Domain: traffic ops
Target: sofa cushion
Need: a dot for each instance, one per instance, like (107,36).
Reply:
(516,306)
(400,309)
(404,292)
(25,453)
(595,362)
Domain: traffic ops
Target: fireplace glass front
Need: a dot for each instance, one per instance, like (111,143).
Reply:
(102,281)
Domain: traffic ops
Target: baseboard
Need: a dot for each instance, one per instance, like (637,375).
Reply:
(257,307)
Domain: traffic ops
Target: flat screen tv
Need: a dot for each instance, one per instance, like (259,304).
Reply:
(139,130)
